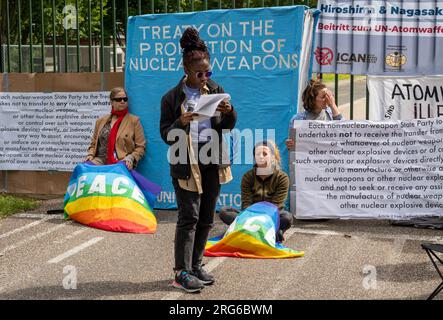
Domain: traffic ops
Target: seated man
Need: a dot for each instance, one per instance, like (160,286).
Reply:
(264,182)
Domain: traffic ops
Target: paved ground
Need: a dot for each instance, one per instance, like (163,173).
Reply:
(40,254)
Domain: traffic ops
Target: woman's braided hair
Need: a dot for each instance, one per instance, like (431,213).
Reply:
(310,94)
(193,48)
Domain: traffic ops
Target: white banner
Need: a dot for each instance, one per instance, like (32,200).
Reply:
(371,170)
(379,37)
(405,98)
(48,131)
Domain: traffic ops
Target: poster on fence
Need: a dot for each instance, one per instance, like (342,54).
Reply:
(255,57)
(48,131)
(380,37)
(405,98)
(369,170)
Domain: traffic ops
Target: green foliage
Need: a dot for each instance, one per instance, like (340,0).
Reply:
(31,10)
(10,205)
(54,17)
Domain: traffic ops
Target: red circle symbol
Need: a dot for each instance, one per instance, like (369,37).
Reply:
(324,56)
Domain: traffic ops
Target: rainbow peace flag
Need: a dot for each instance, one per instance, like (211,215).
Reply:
(252,235)
(111,198)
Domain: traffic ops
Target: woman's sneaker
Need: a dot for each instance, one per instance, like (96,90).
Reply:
(186,281)
(203,276)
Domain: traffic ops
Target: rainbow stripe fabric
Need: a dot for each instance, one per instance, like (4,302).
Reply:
(111,198)
(252,235)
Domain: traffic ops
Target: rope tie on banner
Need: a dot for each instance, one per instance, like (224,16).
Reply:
(102,81)
(5,88)
(5,83)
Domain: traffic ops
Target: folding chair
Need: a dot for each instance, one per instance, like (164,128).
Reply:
(431,249)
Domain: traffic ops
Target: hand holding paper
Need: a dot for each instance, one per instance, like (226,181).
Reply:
(207,104)
(224,106)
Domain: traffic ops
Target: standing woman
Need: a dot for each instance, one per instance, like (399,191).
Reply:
(196,183)
(118,136)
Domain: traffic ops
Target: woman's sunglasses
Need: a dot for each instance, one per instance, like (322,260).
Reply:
(125,99)
(200,74)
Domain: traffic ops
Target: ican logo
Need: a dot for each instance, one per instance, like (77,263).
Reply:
(349,58)
(325,57)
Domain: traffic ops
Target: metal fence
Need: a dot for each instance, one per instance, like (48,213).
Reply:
(33,27)
(70,58)
(89,36)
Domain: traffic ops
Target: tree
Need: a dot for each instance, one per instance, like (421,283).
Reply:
(63,12)
(157,6)
(61,17)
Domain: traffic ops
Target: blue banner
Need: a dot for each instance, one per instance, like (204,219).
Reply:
(255,57)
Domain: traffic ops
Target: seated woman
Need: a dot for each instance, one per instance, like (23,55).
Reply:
(319,104)
(118,136)
(264,182)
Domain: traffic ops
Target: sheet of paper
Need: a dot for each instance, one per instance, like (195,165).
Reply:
(207,104)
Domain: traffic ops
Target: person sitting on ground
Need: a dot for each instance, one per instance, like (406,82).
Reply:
(117,136)
(319,104)
(264,182)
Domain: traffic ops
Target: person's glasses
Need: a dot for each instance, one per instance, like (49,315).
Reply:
(125,99)
(200,74)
